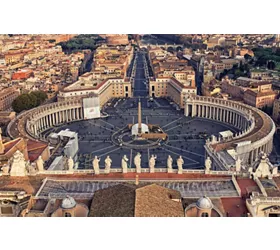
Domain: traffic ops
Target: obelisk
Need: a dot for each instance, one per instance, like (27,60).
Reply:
(139,118)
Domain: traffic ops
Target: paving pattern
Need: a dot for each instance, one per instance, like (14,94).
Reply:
(186,135)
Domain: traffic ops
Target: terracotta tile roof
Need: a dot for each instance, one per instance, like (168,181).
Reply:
(247,185)
(234,207)
(127,200)
(11,144)
(117,201)
(35,149)
(156,201)
(28,184)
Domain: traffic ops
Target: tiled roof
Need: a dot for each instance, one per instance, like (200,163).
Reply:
(234,207)
(116,201)
(156,201)
(127,200)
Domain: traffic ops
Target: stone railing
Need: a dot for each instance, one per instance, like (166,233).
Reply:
(236,185)
(258,182)
(133,170)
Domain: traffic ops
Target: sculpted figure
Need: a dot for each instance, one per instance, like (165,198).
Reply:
(137,162)
(108,163)
(124,164)
(169,163)
(180,163)
(208,164)
(152,163)
(40,164)
(6,169)
(238,165)
(18,164)
(70,164)
(95,164)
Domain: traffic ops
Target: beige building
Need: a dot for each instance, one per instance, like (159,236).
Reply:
(104,89)
(261,75)
(171,87)
(276,110)
(261,97)
(7,96)
(260,205)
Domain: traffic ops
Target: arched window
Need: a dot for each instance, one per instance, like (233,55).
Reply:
(67,215)
(204,215)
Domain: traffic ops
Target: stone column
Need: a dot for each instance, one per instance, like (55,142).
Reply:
(203,110)
(187,109)
(193,110)
(70,114)
(63,115)
(227,116)
(53,118)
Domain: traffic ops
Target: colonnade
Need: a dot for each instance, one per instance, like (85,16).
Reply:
(223,114)
(256,129)
(55,114)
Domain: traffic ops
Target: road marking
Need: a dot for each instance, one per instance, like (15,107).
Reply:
(94,124)
(172,128)
(109,152)
(182,156)
(110,124)
(102,149)
(172,122)
(185,151)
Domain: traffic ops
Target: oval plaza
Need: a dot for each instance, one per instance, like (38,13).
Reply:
(253,134)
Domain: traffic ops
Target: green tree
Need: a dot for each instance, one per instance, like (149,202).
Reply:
(28,101)
(247,57)
(41,96)
(271,65)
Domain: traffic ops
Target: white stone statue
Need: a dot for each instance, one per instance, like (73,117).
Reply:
(238,165)
(124,164)
(208,164)
(31,168)
(95,164)
(180,163)
(6,169)
(169,164)
(70,164)
(108,163)
(40,164)
(152,163)
(137,162)
(18,164)
(264,167)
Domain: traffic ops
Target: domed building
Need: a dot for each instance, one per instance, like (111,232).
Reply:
(70,208)
(203,207)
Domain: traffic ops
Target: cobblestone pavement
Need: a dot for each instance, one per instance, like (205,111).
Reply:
(186,136)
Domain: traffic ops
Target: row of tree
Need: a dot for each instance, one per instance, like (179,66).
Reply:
(28,101)
(81,42)
(268,57)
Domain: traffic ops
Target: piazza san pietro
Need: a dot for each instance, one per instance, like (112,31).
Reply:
(139,125)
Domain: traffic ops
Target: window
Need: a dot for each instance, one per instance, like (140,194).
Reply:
(67,215)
